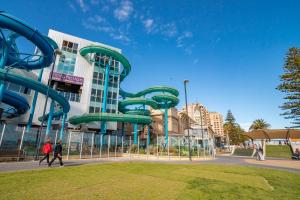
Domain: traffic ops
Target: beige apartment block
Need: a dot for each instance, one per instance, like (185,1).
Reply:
(216,121)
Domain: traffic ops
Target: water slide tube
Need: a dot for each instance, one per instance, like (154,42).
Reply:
(11,57)
(165,100)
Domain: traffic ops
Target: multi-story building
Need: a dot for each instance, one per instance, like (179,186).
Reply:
(80,79)
(216,121)
(202,123)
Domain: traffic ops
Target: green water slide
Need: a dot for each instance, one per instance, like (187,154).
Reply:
(157,97)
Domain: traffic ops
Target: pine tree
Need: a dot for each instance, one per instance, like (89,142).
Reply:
(290,85)
(233,129)
(230,118)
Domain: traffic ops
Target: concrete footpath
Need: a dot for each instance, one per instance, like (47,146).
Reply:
(280,164)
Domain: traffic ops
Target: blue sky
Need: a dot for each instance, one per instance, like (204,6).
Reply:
(231,51)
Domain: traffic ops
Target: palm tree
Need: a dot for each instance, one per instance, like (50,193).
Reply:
(259,124)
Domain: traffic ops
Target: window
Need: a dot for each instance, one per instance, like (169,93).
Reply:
(91,109)
(70,96)
(67,60)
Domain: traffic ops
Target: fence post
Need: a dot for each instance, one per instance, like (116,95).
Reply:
(130,147)
(81,146)
(56,137)
(157,145)
(2,134)
(21,143)
(122,145)
(116,145)
(70,135)
(108,146)
(138,146)
(147,146)
(101,137)
(198,150)
(168,141)
(179,149)
(92,145)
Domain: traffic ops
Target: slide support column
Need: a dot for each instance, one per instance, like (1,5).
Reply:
(148,135)
(166,126)
(104,102)
(29,123)
(50,116)
(123,129)
(135,133)
(62,129)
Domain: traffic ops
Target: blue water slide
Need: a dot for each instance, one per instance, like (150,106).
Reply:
(18,102)
(10,56)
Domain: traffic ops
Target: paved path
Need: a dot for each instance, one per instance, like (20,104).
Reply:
(288,165)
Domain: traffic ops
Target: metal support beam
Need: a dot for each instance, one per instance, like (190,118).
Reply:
(148,136)
(62,129)
(29,123)
(135,133)
(105,91)
(2,134)
(50,117)
(166,127)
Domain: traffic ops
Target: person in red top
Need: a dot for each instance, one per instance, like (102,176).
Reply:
(47,149)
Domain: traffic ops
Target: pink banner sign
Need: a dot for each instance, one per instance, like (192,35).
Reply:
(67,78)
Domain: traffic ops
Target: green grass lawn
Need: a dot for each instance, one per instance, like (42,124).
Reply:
(274,151)
(138,180)
(279,151)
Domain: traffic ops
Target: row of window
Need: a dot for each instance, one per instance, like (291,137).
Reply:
(97,110)
(99,100)
(70,96)
(66,63)
(95,92)
(69,47)
(98,79)
(17,88)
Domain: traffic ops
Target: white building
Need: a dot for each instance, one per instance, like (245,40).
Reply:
(80,79)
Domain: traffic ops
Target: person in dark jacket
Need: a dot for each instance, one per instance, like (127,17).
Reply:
(57,153)
(47,149)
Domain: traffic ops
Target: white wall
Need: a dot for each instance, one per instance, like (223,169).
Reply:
(82,69)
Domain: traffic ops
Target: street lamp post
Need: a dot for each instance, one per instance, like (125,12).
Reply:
(38,135)
(188,119)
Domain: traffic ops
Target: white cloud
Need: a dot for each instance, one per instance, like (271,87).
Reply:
(100,24)
(123,12)
(181,38)
(148,23)
(169,29)
(181,42)
(120,36)
(84,7)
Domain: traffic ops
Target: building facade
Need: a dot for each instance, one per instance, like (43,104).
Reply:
(81,80)
(216,122)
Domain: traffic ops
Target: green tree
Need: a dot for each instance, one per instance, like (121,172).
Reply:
(229,117)
(233,129)
(290,85)
(259,124)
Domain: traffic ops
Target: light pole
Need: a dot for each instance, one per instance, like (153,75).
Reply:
(39,132)
(188,119)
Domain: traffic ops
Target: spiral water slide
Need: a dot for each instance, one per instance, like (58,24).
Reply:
(158,97)
(12,58)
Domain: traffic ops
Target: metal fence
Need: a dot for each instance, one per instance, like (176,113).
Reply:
(17,144)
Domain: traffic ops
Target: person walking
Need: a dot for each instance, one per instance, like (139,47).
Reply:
(57,154)
(254,150)
(47,149)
